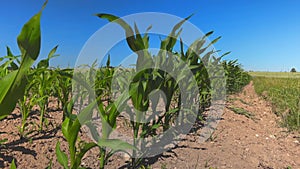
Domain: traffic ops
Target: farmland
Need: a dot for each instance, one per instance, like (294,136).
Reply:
(276,74)
(282,90)
(48,114)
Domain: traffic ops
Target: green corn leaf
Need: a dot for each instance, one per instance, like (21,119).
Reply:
(148,29)
(102,111)
(3,141)
(137,94)
(85,148)
(13,165)
(52,52)
(116,144)
(139,42)
(45,62)
(183,57)
(72,137)
(119,104)
(205,58)
(146,37)
(172,111)
(108,61)
(71,128)
(8,52)
(61,156)
(225,54)
(8,92)
(170,41)
(129,32)
(86,114)
(93,131)
(134,41)
(49,164)
(215,41)
(178,25)
(208,34)
(65,127)
(13,65)
(13,85)
(155,126)
(29,41)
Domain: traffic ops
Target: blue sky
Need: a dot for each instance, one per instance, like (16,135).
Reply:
(263,35)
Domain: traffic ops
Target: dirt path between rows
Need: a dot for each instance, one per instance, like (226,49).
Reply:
(238,142)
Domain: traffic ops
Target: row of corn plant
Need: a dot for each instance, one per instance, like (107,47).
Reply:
(30,86)
(142,83)
(236,77)
(152,79)
(73,123)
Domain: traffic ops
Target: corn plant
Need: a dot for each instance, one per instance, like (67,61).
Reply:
(145,84)
(31,96)
(14,83)
(26,103)
(62,88)
(235,76)
(72,124)
(43,81)
(149,80)
(109,116)
(70,128)
(103,80)
(9,63)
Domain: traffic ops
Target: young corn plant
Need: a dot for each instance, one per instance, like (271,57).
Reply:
(72,124)
(13,84)
(26,104)
(138,93)
(103,80)
(150,80)
(108,112)
(43,80)
(109,115)
(70,128)
(62,88)
(9,63)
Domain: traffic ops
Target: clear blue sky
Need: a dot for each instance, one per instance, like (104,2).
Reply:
(264,35)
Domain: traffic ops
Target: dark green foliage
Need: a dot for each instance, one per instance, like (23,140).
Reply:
(236,77)
(293,70)
(37,85)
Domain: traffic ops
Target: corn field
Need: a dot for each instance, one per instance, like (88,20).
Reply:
(113,90)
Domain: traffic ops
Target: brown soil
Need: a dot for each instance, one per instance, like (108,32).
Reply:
(257,141)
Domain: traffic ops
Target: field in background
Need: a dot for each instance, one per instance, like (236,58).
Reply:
(276,74)
(282,89)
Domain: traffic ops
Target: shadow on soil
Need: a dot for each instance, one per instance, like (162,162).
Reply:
(15,146)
